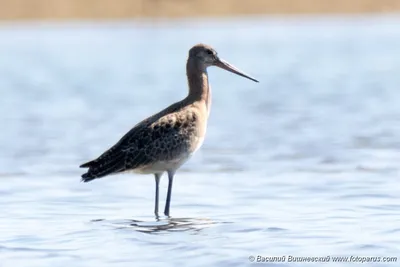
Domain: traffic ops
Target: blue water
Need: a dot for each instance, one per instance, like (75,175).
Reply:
(305,163)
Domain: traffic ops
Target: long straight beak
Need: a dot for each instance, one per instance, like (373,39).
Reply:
(226,66)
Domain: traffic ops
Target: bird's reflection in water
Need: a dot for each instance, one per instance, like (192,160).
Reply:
(160,225)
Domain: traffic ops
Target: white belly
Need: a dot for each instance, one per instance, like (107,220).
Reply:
(163,166)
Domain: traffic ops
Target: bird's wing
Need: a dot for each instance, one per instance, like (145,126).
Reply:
(114,160)
(143,144)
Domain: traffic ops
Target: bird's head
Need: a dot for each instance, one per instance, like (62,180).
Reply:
(206,56)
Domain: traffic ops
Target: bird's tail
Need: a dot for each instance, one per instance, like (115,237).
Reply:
(103,166)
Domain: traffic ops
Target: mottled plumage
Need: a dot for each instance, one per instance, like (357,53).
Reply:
(164,141)
(164,137)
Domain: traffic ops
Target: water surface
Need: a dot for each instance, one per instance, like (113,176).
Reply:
(305,163)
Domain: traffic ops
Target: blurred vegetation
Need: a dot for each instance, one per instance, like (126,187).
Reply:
(122,9)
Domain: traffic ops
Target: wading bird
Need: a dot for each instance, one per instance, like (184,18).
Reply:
(163,142)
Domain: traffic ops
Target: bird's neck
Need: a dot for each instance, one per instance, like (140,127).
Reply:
(199,88)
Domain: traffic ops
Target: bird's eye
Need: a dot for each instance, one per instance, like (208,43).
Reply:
(209,52)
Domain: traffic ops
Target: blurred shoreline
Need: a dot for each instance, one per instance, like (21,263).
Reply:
(125,9)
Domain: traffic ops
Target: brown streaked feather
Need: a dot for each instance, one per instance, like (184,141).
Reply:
(158,138)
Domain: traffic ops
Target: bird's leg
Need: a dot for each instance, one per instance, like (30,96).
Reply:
(157,177)
(168,202)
